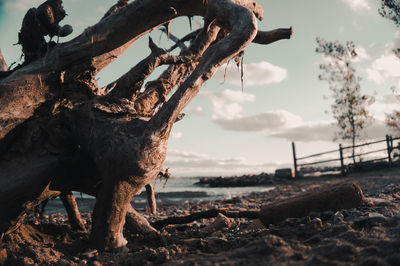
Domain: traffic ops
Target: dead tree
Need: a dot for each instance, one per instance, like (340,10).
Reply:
(60,132)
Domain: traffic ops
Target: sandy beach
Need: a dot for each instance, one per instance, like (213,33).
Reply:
(368,235)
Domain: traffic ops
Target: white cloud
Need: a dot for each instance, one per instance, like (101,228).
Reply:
(362,54)
(177,135)
(357,5)
(227,113)
(384,104)
(226,104)
(180,163)
(198,110)
(310,131)
(254,74)
(269,120)
(385,68)
(324,131)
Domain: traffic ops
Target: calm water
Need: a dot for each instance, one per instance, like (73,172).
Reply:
(172,192)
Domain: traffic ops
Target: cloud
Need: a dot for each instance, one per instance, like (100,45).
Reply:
(177,135)
(357,5)
(227,104)
(362,54)
(384,68)
(384,104)
(198,110)
(254,74)
(324,131)
(227,113)
(307,132)
(268,120)
(181,163)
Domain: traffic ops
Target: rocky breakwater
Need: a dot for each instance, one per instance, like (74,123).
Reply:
(237,181)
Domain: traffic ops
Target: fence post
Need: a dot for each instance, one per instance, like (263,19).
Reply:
(389,150)
(341,159)
(294,160)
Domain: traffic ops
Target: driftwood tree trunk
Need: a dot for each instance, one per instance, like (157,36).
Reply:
(60,132)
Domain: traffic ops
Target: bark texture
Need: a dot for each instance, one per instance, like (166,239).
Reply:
(3,64)
(341,196)
(71,207)
(151,198)
(60,132)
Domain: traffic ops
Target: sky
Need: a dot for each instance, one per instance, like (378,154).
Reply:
(228,131)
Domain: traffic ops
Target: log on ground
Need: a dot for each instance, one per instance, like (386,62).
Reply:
(334,198)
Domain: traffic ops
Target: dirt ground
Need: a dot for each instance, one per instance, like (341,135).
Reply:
(368,235)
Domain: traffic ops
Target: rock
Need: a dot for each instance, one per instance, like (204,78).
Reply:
(256,225)
(90,254)
(220,222)
(194,242)
(28,261)
(317,221)
(376,217)
(63,262)
(284,173)
(162,255)
(338,217)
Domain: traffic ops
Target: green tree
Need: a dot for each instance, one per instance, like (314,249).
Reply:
(350,105)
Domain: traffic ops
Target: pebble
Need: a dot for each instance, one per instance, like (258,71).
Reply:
(338,217)
(90,254)
(256,225)
(63,262)
(376,217)
(219,223)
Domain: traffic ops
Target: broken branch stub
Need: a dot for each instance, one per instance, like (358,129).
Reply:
(334,198)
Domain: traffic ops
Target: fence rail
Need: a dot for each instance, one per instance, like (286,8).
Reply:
(341,158)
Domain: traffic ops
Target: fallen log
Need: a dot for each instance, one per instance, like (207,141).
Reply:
(334,198)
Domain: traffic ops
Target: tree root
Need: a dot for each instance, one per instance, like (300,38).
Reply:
(151,198)
(71,207)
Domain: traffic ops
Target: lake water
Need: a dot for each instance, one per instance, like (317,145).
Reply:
(173,191)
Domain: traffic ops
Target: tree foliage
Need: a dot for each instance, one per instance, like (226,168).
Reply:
(350,105)
(390,9)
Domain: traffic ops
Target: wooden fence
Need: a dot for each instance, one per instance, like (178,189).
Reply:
(341,158)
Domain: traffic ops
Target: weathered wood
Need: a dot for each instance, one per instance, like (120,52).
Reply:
(53,116)
(71,207)
(151,198)
(137,224)
(334,198)
(3,64)
(212,213)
